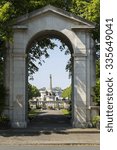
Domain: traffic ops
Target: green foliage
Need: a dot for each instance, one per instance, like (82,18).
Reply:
(65,112)
(96,121)
(98,69)
(96,96)
(90,10)
(6,13)
(4,118)
(33,91)
(67,92)
(4,122)
(96,89)
(77,5)
(93,11)
(69,67)
(64,4)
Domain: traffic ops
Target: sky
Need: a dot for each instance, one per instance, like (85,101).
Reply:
(54,65)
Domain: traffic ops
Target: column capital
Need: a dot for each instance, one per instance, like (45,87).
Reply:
(79,54)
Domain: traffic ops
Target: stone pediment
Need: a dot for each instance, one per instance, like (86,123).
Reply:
(79,21)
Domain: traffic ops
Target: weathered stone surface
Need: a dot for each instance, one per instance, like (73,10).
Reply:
(74,30)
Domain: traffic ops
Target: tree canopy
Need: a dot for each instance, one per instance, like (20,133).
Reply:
(33,91)
(67,93)
(11,9)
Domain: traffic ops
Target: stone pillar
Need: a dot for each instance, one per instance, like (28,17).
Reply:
(79,91)
(7,81)
(18,84)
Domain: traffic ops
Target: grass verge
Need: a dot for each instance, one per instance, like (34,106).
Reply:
(65,112)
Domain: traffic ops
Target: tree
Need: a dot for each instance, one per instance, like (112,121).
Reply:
(67,93)
(90,10)
(33,91)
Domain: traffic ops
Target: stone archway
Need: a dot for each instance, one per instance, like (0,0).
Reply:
(75,31)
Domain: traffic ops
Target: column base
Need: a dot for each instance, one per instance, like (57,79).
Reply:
(18,124)
(82,125)
(79,125)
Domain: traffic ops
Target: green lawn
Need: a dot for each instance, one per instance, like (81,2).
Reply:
(65,112)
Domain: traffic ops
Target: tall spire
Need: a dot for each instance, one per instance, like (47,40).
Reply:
(50,82)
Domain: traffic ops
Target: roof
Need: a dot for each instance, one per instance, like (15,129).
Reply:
(49,8)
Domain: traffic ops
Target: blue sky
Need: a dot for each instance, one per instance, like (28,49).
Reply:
(54,65)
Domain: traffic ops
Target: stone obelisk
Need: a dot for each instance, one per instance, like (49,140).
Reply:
(50,83)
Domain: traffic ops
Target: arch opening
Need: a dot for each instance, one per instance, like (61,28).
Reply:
(37,49)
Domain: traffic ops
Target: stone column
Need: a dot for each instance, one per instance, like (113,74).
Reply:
(90,74)
(79,91)
(7,80)
(18,90)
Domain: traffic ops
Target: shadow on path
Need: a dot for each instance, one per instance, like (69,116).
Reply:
(50,119)
(46,122)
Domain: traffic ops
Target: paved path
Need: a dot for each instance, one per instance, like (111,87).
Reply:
(50,119)
(49,147)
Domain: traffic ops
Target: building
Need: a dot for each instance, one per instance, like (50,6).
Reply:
(51,94)
(50,98)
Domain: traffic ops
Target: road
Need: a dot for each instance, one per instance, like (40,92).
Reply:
(49,147)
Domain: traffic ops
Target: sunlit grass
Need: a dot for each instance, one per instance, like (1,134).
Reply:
(65,112)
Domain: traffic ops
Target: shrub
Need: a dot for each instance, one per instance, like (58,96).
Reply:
(96,95)
(96,121)
(4,122)
(4,118)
